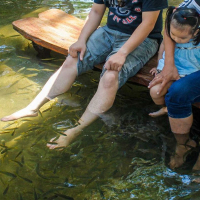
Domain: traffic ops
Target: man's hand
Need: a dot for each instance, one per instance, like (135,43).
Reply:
(168,74)
(115,62)
(77,47)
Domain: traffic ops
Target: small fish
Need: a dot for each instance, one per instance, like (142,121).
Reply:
(23,57)
(33,129)
(6,190)
(63,109)
(9,125)
(26,87)
(47,70)
(52,197)
(35,194)
(64,196)
(4,151)
(18,154)
(47,109)
(31,75)
(14,83)
(21,69)
(91,180)
(78,90)
(4,132)
(8,174)
(48,59)
(94,81)
(13,36)
(40,113)
(32,69)
(20,197)
(54,143)
(20,164)
(22,159)
(38,172)
(60,133)
(26,179)
(13,132)
(51,191)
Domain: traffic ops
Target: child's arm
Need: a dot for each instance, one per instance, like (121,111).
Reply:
(116,61)
(161,50)
(153,71)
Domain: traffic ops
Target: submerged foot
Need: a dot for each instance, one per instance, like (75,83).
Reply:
(158,113)
(20,114)
(181,153)
(64,140)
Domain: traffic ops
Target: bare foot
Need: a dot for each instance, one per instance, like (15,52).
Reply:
(180,154)
(63,141)
(20,114)
(158,113)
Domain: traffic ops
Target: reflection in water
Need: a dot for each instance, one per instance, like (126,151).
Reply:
(123,155)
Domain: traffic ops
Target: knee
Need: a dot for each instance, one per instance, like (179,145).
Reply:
(153,92)
(70,62)
(110,79)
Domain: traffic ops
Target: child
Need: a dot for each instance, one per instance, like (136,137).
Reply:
(182,26)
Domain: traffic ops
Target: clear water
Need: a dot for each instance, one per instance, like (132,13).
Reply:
(123,155)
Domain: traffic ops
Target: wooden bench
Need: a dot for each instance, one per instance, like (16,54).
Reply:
(56,30)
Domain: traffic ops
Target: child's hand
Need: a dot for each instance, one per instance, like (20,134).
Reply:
(153,71)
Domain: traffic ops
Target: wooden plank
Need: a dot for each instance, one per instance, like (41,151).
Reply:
(53,29)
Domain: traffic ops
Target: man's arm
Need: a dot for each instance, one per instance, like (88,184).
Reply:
(92,22)
(116,61)
(169,72)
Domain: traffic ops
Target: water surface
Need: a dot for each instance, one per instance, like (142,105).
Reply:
(123,155)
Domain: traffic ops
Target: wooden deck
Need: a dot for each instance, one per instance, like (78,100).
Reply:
(57,30)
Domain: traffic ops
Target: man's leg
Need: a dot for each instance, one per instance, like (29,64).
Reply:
(57,84)
(100,103)
(107,89)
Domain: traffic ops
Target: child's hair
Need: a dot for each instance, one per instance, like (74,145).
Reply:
(183,16)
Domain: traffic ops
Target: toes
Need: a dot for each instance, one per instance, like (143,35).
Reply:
(51,142)
(5,119)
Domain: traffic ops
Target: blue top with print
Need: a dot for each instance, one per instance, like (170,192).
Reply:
(126,19)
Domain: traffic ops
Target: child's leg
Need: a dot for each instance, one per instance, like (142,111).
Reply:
(159,99)
(158,113)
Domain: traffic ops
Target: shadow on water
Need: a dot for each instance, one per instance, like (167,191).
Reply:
(123,155)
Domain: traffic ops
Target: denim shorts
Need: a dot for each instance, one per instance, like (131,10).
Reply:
(182,94)
(105,42)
